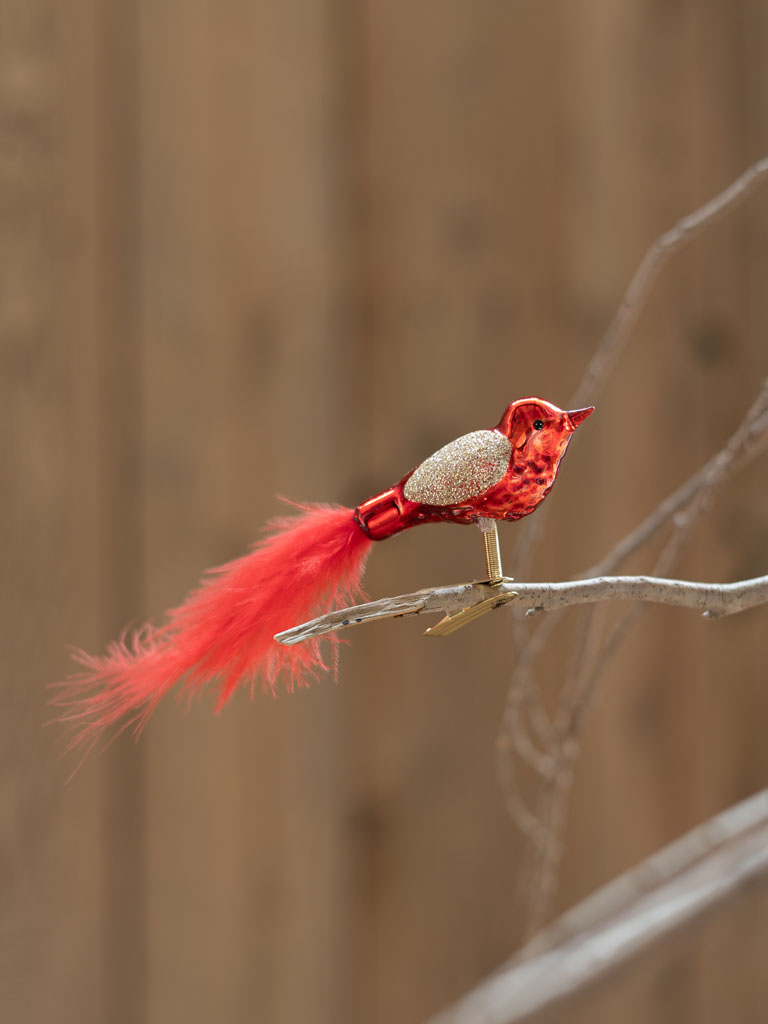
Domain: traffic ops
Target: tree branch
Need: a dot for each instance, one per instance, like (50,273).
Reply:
(526,722)
(593,648)
(617,335)
(747,441)
(712,599)
(658,900)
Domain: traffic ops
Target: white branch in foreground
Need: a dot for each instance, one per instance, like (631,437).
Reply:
(654,903)
(712,599)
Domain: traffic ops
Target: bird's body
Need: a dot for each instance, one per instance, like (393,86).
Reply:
(504,473)
(224,631)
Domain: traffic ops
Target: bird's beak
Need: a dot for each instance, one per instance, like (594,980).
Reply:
(577,416)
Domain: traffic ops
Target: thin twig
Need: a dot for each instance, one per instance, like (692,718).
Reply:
(619,330)
(745,443)
(681,509)
(615,338)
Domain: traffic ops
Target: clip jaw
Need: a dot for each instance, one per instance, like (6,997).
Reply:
(451,623)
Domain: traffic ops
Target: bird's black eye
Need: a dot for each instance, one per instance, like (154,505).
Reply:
(538,424)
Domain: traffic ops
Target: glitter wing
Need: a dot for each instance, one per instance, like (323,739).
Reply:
(462,470)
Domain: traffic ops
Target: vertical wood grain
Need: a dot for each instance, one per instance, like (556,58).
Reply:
(51,854)
(665,747)
(118,293)
(244,341)
(464,228)
(250,249)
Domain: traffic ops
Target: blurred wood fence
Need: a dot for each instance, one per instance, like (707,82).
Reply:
(250,249)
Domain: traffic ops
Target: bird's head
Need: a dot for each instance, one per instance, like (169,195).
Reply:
(537,428)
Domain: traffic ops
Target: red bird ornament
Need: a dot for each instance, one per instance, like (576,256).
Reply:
(225,630)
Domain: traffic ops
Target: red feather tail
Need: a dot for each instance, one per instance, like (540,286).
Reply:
(224,630)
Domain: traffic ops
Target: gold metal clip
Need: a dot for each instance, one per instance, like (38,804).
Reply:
(451,623)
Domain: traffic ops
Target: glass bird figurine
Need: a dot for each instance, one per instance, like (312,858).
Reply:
(224,632)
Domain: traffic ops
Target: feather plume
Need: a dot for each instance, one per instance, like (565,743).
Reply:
(223,632)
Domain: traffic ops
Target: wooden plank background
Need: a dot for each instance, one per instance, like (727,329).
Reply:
(260,248)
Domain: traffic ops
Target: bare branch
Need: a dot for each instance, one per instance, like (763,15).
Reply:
(680,511)
(745,443)
(615,338)
(712,599)
(682,508)
(658,900)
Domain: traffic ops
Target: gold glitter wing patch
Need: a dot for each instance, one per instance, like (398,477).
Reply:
(461,470)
